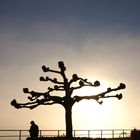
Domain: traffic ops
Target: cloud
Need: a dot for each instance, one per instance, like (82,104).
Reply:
(105,56)
(96,45)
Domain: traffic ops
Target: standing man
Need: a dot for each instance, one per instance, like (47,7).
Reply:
(33,130)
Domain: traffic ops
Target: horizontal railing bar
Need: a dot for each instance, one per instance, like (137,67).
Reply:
(14,136)
(65,130)
(89,133)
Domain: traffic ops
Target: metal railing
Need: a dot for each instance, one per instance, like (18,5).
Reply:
(105,133)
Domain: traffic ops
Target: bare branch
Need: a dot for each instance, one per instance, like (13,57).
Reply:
(46,101)
(84,82)
(50,79)
(47,69)
(74,79)
(96,83)
(35,95)
(61,66)
(121,86)
(101,95)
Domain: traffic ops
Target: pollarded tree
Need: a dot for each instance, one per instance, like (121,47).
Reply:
(67,100)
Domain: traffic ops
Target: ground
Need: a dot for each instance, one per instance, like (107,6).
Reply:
(77,138)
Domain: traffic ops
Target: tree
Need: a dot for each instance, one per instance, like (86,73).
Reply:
(68,87)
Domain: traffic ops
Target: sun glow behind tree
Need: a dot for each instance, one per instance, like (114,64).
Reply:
(67,100)
(88,114)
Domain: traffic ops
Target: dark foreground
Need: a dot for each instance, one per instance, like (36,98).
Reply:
(77,138)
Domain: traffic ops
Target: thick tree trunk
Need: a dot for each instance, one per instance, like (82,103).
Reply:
(68,117)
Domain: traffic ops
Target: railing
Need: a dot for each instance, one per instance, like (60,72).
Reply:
(106,133)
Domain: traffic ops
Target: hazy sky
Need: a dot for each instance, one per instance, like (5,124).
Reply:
(97,39)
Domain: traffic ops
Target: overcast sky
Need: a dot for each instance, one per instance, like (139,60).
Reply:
(97,39)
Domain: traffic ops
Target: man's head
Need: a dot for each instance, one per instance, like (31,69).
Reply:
(32,122)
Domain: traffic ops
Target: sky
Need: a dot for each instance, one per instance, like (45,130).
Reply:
(97,39)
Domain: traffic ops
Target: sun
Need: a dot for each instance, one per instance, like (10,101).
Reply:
(90,112)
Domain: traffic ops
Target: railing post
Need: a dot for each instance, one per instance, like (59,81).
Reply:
(40,133)
(74,132)
(58,133)
(88,133)
(112,133)
(101,133)
(19,134)
(123,133)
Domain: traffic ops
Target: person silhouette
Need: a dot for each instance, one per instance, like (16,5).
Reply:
(33,130)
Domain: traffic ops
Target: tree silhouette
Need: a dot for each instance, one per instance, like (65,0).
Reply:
(68,87)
